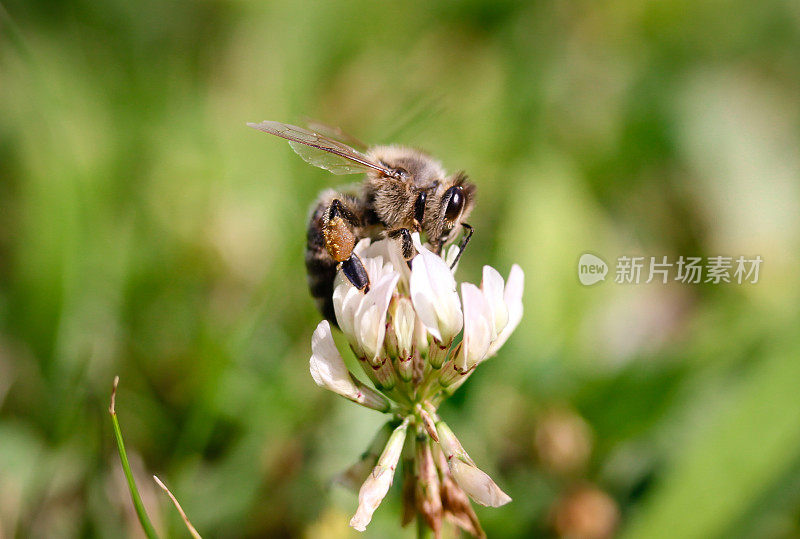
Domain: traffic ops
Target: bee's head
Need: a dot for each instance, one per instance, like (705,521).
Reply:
(436,202)
(447,205)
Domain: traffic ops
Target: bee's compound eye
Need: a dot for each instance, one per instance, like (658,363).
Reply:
(419,206)
(455,203)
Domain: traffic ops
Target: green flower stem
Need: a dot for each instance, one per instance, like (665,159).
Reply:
(423,531)
(430,384)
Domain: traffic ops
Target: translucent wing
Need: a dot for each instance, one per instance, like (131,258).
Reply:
(327,159)
(335,133)
(321,151)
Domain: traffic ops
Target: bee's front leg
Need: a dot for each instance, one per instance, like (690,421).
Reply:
(464,241)
(340,241)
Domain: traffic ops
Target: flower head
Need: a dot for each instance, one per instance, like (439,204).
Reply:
(404,332)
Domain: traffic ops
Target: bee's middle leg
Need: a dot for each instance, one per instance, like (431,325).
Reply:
(406,244)
(340,241)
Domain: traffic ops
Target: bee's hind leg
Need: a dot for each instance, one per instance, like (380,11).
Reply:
(354,270)
(340,239)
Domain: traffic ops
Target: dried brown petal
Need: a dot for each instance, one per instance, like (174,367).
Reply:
(409,498)
(455,502)
(429,501)
(458,509)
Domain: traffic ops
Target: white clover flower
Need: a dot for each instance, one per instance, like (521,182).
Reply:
(378,482)
(478,323)
(404,323)
(491,314)
(493,288)
(469,477)
(512,296)
(433,292)
(353,477)
(348,301)
(369,323)
(328,370)
(389,252)
(402,331)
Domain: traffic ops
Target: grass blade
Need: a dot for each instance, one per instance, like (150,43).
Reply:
(186,521)
(144,520)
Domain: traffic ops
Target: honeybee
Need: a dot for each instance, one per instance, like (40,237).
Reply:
(404,191)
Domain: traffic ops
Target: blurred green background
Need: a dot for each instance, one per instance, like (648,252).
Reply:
(146,232)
